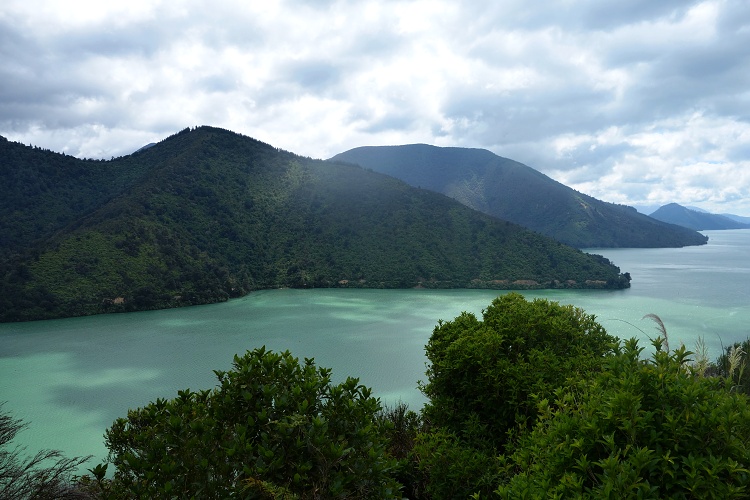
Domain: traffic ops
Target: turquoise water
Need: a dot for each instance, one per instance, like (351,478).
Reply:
(71,378)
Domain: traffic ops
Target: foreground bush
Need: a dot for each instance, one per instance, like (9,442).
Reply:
(274,428)
(640,429)
(481,379)
(483,372)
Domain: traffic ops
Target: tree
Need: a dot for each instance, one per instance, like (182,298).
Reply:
(273,428)
(46,475)
(639,429)
(482,380)
(483,372)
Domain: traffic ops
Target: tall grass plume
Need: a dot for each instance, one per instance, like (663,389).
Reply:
(701,361)
(660,328)
(735,362)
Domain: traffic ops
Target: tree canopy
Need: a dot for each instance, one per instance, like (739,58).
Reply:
(485,371)
(484,376)
(273,428)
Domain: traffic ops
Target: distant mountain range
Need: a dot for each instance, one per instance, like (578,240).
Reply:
(738,218)
(515,192)
(698,219)
(208,214)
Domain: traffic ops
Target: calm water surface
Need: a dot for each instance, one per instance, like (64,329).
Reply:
(71,378)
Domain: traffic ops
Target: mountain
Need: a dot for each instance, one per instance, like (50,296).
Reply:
(43,192)
(697,209)
(207,214)
(693,219)
(145,147)
(513,191)
(738,218)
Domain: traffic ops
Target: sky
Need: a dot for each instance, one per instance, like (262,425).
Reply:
(638,102)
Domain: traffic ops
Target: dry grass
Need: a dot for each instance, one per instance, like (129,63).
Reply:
(660,328)
(735,362)
(701,361)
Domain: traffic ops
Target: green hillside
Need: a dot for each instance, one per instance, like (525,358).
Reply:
(513,191)
(208,214)
(42,192)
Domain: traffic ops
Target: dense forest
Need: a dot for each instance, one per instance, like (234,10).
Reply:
(208,214)
(531,400)
(515,192)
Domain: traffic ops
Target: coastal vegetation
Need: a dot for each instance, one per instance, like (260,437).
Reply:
(532,400)
(207,215)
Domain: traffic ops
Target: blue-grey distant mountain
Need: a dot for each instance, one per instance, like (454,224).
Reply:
(738,218)
(693,219)
(515,192)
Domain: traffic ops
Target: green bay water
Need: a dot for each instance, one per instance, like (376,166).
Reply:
(69,379)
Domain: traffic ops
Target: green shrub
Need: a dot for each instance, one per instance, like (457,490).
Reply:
(483,373)
(483,377)
(274,428)
(640,429)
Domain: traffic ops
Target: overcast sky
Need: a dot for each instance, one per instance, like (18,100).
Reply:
(641,102)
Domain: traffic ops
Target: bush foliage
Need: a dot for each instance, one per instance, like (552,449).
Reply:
(273,428)
(639,429)
(482,373)
(483,377)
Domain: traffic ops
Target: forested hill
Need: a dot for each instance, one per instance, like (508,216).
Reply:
(513,191)
(208,214)
(42,192)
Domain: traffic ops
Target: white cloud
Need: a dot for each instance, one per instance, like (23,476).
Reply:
(634,102)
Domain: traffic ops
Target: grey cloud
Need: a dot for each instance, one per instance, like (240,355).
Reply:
(606,15)
(705,81)
(734,17)
(725,60)
(578,15)
(522,116)
(593,156)
(39,84)
(144,40)
(216,82)
(311,75)
(394,122)
(376,43)
(739,152)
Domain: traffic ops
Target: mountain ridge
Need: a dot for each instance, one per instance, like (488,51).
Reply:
(510,190)
(675,213)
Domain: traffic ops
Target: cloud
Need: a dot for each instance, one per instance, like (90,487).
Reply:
(635,102)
